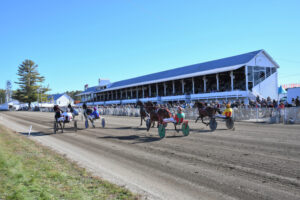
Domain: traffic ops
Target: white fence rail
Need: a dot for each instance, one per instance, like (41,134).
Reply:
(270,115)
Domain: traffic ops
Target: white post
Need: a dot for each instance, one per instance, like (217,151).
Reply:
(193,85)
(232,77)
(173,85)
(143,91)
(217,77)
(149,91)
(30,128)
(204,82)
(131,93)
(246,75)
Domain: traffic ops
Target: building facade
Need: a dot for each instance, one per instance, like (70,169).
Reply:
(61,100)
(243,76)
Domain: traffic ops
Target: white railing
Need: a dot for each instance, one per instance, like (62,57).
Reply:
(269,115)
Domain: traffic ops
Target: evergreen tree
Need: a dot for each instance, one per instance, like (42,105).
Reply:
(73,94)
(2,96)
(29,82)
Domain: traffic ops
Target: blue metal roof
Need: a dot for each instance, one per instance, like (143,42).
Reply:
(220,63)
(55,96)
(89,90)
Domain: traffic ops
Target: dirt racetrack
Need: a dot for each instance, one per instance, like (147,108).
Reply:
(256,161)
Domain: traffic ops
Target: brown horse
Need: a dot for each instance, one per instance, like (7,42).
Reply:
(143,112)
(206,111)
(156,113)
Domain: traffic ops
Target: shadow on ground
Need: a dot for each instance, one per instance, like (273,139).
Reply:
(135,138)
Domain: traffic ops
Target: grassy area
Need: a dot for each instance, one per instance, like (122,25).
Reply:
(31,171)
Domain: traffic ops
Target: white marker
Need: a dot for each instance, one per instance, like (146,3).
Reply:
(30,127)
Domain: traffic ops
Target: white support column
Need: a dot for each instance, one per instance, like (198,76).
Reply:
(204,83)
(137,92)
(232,77)
(165,89)
(217,77)
(149,91)
(246,75)
(130,93)
(173,85)
(121,93)
(143,88)
(193,85)
(156,89)
(182,86)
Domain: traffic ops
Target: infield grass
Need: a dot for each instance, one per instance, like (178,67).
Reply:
(31,171)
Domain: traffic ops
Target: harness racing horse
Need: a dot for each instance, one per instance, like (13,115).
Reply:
(58,114)
(206,111)
(156,114)
(143,112)
(87,113)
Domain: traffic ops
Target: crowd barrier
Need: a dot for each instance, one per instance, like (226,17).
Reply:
(289,115)
(270,115)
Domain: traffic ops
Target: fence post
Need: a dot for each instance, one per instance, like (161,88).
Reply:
(284,116)
(256,114)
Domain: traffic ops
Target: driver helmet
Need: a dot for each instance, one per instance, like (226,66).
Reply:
(179,109)
(228,105)
(95,108)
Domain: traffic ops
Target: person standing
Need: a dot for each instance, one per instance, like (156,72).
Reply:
(297,101)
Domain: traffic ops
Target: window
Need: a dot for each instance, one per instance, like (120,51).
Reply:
(250,73)
(268,71)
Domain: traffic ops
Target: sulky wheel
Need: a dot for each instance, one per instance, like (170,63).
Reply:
(75,126)
(185,129)
(229,123)
(103,122)
(161,131)
(148,124)
(213,124)
(86,123)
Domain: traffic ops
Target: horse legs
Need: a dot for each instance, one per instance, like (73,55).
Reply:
(92,121)
(197,119)
(61,127)
(141,121)
(177,130)
(204,122)
(153,123)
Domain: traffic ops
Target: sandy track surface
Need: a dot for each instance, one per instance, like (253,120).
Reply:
(256,161)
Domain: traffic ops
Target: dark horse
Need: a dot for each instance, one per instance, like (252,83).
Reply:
(57,115)
(206,111)
(156,113)
(143,112)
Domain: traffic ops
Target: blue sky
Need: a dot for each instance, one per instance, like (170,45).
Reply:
(77,42)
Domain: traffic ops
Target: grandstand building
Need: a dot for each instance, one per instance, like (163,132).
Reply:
(238,77)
